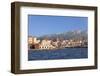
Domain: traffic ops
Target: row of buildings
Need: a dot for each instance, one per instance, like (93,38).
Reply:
(34,43)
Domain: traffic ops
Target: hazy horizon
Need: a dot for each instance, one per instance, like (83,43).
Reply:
(58,33)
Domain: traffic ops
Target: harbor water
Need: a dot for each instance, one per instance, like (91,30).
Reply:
(65,53)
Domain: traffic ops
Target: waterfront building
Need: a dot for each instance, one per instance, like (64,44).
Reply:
(46,44)
(30,40)
(34,43)
(55,44)
(33,40)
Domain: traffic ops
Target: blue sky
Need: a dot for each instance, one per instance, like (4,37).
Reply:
(39,25)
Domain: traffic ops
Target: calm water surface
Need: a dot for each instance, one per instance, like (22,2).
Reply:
(66,53)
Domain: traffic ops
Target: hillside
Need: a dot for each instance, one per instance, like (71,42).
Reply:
(67,35)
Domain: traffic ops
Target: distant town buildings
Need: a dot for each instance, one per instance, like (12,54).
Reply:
(46,44)
(34,43)
(33,40)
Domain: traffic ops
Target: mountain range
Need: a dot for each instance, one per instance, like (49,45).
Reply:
(77,34)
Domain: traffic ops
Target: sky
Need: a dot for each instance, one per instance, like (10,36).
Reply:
(39,25)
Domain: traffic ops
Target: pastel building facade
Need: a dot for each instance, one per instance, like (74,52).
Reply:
(46,44)
(33,40)
(37,44)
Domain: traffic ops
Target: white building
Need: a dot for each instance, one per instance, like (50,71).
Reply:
(46,44)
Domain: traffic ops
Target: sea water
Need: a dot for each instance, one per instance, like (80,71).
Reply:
(65,53)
